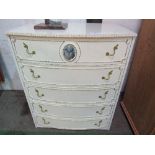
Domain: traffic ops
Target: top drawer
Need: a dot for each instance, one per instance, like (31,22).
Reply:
(108,51)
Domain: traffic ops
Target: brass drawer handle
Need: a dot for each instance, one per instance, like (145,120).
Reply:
(105,95)
(42,109)
(113,52)
(101,111)
(33,74)
(45,122)
(27,49)
(38,93)
(108,77)
(98,124)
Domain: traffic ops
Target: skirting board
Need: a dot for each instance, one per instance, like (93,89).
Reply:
(129,119)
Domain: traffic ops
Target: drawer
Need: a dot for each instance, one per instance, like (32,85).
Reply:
(38,50)
(72,96)
(76,124)
(70,52)
(72,75)
(72,111)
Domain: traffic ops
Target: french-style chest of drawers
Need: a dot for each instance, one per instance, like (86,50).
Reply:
(72,78)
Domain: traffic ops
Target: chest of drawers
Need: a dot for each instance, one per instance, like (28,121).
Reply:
(72,79)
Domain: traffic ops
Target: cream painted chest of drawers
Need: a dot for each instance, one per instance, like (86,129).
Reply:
(72,78)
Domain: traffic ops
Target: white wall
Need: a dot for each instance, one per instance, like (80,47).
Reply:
(6,60)
(132,24)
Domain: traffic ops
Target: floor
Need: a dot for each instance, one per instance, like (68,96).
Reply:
(15,118)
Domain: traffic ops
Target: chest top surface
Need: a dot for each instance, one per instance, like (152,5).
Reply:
(76,29)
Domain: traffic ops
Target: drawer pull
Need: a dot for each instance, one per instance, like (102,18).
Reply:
(38,93)
(105,95)
(101,111)
(108,77)
(45,122)
(113,52)
(42,109)
(33,74)
(27,49)
(98,124)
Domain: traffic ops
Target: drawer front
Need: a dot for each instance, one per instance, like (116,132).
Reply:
(71,111)
(50,122)
(63,52)
(72,76)
(38,50)
(107,51)
(72,96)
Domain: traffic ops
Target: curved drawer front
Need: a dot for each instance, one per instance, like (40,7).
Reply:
(72,96)
(38,50)
(53,51)
(72,124)
(72,111)
(107,51)
(72,76)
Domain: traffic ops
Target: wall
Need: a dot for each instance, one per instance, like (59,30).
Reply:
(7,64)
(6,60)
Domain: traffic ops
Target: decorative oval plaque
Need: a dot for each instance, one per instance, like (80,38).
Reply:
(69,51)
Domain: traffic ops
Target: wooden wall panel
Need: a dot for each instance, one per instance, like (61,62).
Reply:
(139,98)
